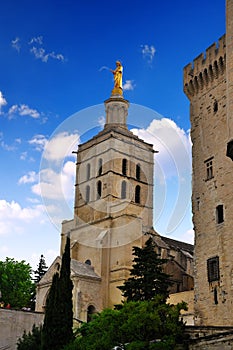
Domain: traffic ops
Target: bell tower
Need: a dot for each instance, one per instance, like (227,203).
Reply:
(113,199)
(208,83)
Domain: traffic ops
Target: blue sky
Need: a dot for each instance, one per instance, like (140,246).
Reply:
(52,89)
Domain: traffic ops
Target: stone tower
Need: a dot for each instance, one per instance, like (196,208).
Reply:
(113,200)
(208,83)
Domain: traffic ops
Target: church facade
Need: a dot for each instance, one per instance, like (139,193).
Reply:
(113,211)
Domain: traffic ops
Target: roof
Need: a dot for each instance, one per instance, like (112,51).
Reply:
(83,270)
(179,245)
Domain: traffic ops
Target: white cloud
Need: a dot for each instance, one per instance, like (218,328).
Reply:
(23,110)
(101,121)
(23,155)
(41,54)
(61,146)
(172,142)
(13,216)
(7,147)
(148,52)
(39,142)
(3,101)
(172,170)
(30,177)
(37,39)
(56,185)
(129,85)
(16,44)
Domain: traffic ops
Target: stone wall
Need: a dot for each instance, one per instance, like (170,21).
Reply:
(187,297)
(210,338)
(13,323)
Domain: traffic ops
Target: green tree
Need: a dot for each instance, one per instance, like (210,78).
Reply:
(31,340)
(16,285)
(137,325)
(41,269)
(147,278)
(58,322)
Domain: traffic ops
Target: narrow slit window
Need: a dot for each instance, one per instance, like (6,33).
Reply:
(99,189)
(123,190)
(88,171)
(215,296)
(137,194)
(87,194)
(219,214)
(138,172)
(100,166)
(124,166)
(215,106)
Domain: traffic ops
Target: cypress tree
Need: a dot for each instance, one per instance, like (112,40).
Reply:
(65,296)
(51,320)
(147,278)
(41,270)
(58,322)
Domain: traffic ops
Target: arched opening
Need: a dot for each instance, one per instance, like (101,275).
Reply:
(138,172)
(137,194)
(100,166)
(88,171)
(123,190)
(99,189)
(91,310)
(57,266)
(87,193)
(88,262)
(124,166)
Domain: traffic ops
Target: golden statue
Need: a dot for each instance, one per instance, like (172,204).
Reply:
(118,72)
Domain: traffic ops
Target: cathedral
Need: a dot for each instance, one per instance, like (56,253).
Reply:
(113,211)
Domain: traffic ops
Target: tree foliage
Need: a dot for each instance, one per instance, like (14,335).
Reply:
(57,329)
(31,340)
(16,285)
(41,269)
(137,325)
(147,278)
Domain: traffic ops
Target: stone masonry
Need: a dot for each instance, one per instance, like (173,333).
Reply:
(208,85)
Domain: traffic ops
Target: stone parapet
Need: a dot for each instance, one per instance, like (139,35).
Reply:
(205,68)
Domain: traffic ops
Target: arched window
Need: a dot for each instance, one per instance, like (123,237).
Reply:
(88,171)
(138,172)
(137,194)
(100,166)
(87,194)
(90,311)
(123,190)
(124,166)
(99,189)
(88,262)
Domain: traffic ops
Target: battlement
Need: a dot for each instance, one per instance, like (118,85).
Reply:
(205,68)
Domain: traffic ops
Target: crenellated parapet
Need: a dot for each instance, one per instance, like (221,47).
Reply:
(205,68)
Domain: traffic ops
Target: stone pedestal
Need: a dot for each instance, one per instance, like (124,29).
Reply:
(116,108)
